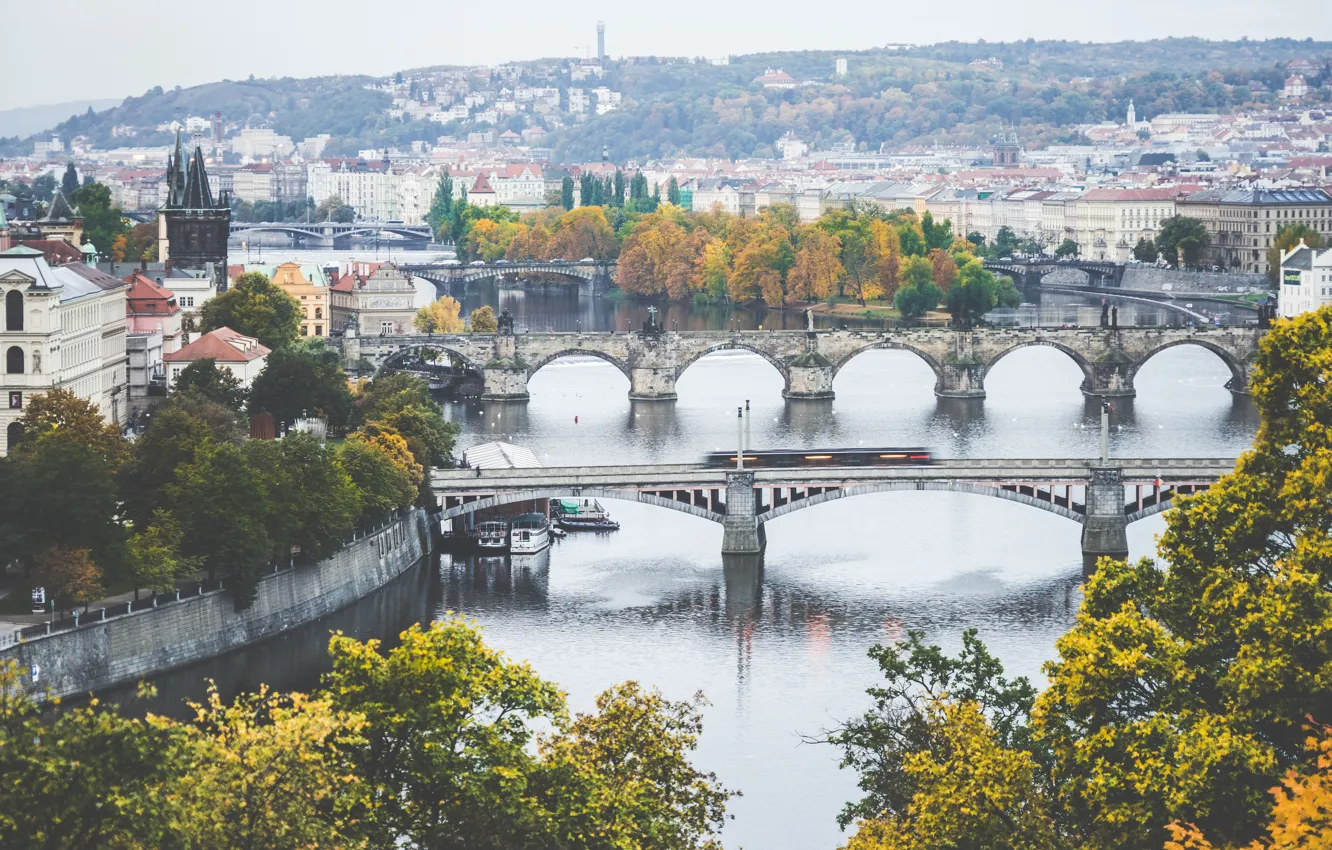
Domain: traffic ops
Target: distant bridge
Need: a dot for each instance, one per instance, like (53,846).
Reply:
(1103,496)
(588,275)
(808,361)
(332,234)
(1103,273)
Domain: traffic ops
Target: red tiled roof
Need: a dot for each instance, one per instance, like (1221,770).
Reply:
(223,345)
(481,186)
(147,297)
(57,252)
(1130,194)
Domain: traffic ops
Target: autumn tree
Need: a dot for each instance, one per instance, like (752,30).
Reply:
(68,574)
(442,316)
(78,419)
(383,471)
(817,271)
(256,307)
(482,320)
(943,269)
(584,232)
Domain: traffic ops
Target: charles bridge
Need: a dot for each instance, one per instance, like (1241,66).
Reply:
(653,359)
(1104,495)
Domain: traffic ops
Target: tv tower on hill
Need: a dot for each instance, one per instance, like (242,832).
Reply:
(601,41)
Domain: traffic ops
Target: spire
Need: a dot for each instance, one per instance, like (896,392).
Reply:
(176,175)
(59,209)
(198,194)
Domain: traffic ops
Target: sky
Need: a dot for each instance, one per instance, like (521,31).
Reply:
(170,43)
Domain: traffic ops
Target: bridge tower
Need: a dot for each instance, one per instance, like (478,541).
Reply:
(1105,528)
(505,375)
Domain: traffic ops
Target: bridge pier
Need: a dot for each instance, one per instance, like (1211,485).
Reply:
(961,380)
(1105,528)
(810,376)
(649,383)
(1112,379)
(505,376)
(742,533)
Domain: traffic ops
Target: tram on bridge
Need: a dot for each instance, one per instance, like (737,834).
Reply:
(798,458)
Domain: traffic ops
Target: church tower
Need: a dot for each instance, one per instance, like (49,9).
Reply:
(192,227)
(1132,116)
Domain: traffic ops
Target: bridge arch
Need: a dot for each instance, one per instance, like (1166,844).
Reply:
(387,363)
(277,228)
(732,345)
(502,499)
(1080,360)
(580,352)
(893,345)
(899,486)
(1239,373)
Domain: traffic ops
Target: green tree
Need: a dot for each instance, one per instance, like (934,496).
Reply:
(1289,236)
(311,503)
(1184,689)
(303,379)
(441,206)
(222,504)
(1067,248)
(918,294)
(1182,240)
(448,742)
(382,484)
(154,557)
(333,208)
(1006,243)
(43,188)
(673,191)
(69,183)
(204,380)
(567,192)
(255,307)
(937,236)
(1145,251)
(103,222)
(975,293)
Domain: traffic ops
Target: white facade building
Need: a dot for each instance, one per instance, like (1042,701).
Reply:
(1306,281)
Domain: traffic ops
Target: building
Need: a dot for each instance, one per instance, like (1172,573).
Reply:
(1007,150)
(1295,88)
(1243,222)
(482,194)
(63,327)
(1306,280)
(240,355)
(601,41)
(367,186)
(151,308)
(312,295)
(775,79)
(1107,223)
(192,227)
(255,182)
(380,302)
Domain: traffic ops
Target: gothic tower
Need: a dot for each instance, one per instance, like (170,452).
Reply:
(192,227)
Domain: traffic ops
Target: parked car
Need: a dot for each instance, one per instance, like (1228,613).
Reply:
(501,262)
(587,260)
(477,263)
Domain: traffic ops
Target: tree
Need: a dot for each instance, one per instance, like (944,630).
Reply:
(43,188)
(312,505)
(1288,237)
(256,307)
(103,222)
(76,418)
(69,183)
(622,778)
(202,379)
(379,475)
(153,554)
(903,722)
(943,268)
(173,437)
(272,771)
(304,379)
(222,502)
(975,293)
(68,574)
(673,191)
(1182,239)
(439,317)
(817,271)
(919,295)
(1183,690)
(567,193)
(1145,251)
(937,236)
(482,320)
(1067,248)
(441,685)
(1006,243)
(976,238)
(969,791)
(333,208)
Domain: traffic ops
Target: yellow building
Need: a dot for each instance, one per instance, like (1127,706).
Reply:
(313,298)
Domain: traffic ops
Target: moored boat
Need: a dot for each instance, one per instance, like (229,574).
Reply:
(581,515)
(493,535)
(529,533)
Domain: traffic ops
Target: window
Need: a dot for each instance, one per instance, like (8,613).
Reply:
(14,435)
(14,311)
(319,312)
(385,328)
(14,360)
(305,331)
(16,400)
(319,330)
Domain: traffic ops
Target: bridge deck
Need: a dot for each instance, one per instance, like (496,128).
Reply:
(683,476)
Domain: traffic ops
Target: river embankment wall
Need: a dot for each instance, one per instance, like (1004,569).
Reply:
(99,654)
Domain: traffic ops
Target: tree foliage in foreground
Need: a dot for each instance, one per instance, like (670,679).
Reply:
(441,742)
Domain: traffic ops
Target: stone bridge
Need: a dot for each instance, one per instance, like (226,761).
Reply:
(808,361)
(332,234)
(1104,496)
(589,276)
(1102,273)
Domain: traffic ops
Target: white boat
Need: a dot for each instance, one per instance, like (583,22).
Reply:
(529,533)
(493,536)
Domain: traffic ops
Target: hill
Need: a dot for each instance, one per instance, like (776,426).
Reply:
(26,120)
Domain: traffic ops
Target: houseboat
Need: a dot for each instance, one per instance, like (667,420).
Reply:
(581,515)
(492,536)
(529,533)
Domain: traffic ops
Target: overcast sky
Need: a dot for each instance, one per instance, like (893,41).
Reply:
(125,50)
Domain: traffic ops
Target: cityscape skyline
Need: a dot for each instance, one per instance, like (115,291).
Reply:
(732,30)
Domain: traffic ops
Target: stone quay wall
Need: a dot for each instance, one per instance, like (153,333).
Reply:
(124,649)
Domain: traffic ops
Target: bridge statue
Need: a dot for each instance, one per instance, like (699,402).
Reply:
(653,359)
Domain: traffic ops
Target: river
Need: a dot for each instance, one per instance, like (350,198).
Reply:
(780,651)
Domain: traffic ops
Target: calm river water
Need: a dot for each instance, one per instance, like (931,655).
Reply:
(779,651)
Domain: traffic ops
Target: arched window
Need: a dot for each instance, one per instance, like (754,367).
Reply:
(14,311)
(319,312)
(14,436)
(14,360)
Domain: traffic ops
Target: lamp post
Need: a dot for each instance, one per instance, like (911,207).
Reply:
(1105,431)
(740,437)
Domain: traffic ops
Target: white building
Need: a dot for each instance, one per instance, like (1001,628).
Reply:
(64,327)
(240,355)
(369,188)
(1306,280)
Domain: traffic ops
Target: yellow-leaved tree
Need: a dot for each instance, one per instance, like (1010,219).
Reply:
(442,316)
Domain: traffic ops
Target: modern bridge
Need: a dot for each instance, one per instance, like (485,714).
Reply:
(590,276)
(808,361)
(1103,496)
(334,234)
